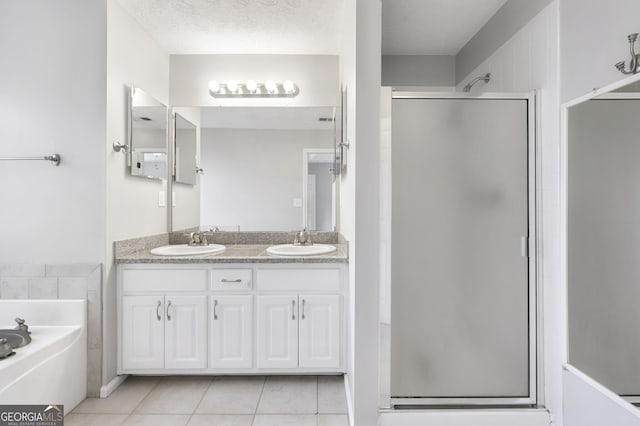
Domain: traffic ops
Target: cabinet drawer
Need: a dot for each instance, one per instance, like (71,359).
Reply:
(231,279)
(299,279)
(152,280)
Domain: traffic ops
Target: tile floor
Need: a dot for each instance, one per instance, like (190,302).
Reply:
(218,401)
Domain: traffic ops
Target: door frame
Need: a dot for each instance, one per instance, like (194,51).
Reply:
(534,244)
(305,195)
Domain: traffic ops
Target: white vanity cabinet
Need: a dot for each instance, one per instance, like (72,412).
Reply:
(231,318)
(164,332)
(143,337)
(277,331)
(185,332)
(319,331)
(231,336)
(299,331)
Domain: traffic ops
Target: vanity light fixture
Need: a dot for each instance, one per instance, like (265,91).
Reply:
(253,89)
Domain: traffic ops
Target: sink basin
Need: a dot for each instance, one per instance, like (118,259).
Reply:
(187,250)
(291,250)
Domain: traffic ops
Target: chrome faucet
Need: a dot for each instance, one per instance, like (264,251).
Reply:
(302,238)
(634,63)
(199,238)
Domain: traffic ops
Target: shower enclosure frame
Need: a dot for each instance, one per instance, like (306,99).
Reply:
(535,375)
(605,93)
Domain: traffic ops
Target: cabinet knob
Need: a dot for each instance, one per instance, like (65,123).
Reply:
(215,305)
(293,309)
(303,303)
(168,306)
(158,310)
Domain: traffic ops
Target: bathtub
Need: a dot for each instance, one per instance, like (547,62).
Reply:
(52,369)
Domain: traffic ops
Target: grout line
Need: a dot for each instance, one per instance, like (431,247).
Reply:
(202,398)
(190,417)
(255,412)
(146,396)
(125,419)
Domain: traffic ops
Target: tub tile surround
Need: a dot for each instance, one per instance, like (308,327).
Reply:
(242,247)
(63,281)
(223,400)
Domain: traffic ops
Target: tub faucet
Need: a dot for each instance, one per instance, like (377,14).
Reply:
(634,63)
(22,326)
(302,238)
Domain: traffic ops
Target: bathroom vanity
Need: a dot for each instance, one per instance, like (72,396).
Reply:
(240,312)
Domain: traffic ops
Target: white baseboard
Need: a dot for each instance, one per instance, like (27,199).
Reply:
(106,390)
(467,417)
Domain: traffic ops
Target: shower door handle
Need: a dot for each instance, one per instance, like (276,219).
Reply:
(524,246)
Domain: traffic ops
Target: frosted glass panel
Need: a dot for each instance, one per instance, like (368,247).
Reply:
(459,281)
(604,242)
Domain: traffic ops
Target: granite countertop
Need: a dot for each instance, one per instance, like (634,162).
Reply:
(236,253)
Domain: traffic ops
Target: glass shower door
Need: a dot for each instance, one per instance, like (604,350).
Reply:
(460,296)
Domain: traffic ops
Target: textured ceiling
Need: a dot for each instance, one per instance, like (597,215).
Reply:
(241,26)
(432,27)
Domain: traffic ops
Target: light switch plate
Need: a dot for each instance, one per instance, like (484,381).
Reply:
(173,198)
(162,199)
(297,202)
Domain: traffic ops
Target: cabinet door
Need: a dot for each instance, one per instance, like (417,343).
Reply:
(277,331)
(142,332)
(186,332)
(231,331)
(320,331)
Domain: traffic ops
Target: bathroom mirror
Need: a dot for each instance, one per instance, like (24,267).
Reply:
(147,135)
(185,146)
(603,238)
(256,172)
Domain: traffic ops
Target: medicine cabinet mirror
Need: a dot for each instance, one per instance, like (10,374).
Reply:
(185,146)
(256,171)
(603,238)
(147,135)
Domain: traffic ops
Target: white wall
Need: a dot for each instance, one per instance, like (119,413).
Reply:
(315,75)
(419,70)
(360,73)
(593,37)
(52,100)
(186,210)
(347,196)
(528,61)
(132,202)
(251,176)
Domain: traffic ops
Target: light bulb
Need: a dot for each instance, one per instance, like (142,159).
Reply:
(214,86)
(288,86)
(232,85)
(270,85)
(251,86)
